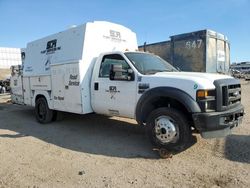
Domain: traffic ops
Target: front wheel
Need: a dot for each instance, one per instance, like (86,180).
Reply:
(168,128)
(43,113)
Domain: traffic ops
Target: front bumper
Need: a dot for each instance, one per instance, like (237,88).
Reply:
(218,124)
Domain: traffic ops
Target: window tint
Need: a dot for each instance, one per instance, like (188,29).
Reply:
(108,60)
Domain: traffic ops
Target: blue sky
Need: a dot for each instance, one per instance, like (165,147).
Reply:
(22,21)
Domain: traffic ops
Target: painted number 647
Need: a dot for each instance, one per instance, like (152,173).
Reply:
(193,44)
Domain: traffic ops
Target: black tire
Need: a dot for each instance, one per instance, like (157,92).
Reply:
(43,113)
(163,120)
(57,115)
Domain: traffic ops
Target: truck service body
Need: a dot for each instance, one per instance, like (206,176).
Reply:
(96,67)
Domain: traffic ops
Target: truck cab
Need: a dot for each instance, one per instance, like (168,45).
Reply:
(145,87)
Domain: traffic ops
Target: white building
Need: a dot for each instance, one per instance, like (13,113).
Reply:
(241,66)
(9,57)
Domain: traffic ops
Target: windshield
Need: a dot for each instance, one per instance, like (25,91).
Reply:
(148,63)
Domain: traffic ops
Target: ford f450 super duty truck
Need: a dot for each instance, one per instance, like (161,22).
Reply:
(96,67)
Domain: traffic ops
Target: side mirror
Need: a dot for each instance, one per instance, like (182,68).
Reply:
(118,73)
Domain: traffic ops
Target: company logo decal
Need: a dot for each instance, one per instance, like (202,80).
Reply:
(112,90)
(51,47)
(114,36)
(195,86)
(47,63)
(236,93)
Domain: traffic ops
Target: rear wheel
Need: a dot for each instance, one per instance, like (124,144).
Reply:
(168,128)
(43,113)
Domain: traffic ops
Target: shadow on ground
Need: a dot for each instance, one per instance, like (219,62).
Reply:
(94,134)
(237,148)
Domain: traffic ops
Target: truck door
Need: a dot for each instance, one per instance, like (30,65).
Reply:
(113,97)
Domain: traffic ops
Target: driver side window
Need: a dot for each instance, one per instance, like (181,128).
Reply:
(108,60)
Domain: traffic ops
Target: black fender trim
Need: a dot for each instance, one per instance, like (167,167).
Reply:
(153,94)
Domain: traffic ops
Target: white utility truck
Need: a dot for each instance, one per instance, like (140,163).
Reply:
(96,67)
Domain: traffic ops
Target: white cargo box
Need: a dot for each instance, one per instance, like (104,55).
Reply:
(83,42)
(59,66)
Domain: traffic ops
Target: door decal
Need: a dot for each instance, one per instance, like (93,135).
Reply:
(112,90)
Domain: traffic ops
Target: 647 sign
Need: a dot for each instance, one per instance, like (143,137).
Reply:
(193,44)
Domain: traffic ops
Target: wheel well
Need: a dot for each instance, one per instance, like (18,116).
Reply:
(166,102)
(40,96)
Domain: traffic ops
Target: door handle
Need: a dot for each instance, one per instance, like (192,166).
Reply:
(96,86)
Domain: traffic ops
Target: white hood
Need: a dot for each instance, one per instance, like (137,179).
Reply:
(195,76)
(189,82)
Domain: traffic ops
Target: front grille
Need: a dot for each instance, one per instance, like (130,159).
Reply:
(234,94)
(231,94)
(228,94)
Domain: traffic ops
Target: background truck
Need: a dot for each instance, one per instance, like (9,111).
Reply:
(95,68)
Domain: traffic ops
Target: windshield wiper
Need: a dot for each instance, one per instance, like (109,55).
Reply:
(153,71)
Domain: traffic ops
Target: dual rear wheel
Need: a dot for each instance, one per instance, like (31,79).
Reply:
(42,111)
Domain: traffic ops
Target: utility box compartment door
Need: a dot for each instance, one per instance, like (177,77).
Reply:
(27,91)
(66,92)
(16,84)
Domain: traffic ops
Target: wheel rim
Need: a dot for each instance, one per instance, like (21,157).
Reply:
(166,130)
(41,111)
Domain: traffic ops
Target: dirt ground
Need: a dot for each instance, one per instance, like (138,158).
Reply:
(99,151)
(4,73)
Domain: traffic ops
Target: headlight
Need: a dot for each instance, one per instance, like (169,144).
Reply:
(206,100)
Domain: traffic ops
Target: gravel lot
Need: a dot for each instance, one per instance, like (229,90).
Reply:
(99,151)
(4,73)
